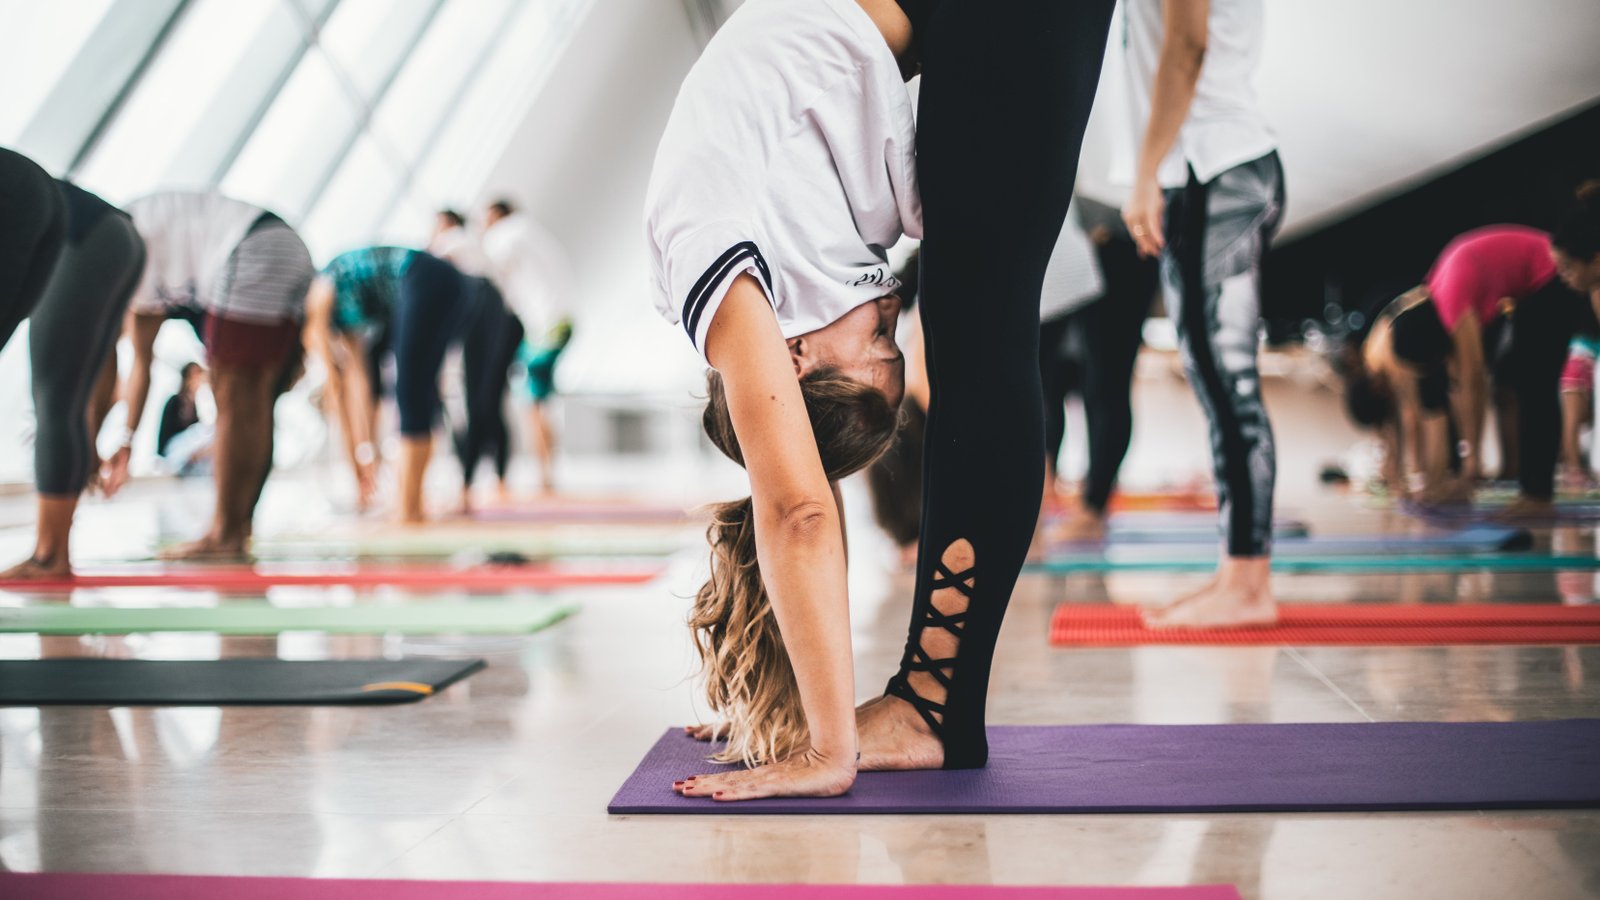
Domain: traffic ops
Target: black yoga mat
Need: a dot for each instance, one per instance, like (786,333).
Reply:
(227,682)
(1197,768)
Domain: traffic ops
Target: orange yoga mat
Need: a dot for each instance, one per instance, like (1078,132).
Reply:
(246,578)
(1081,625)
(1201,501)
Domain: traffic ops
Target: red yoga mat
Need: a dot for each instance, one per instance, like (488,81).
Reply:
(53,886)
(245,578)
(1075,625)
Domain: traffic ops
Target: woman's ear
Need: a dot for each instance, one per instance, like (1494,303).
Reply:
(799,353)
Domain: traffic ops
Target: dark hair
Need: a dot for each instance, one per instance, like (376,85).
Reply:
(456,219)
(1368,402)
(502,207)
(1419,336)
(749,679)
(1579,234)
(896,478)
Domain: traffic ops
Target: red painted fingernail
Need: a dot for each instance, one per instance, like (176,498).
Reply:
(693,777)
(717,794)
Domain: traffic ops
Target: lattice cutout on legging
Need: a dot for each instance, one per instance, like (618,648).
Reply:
(945,584)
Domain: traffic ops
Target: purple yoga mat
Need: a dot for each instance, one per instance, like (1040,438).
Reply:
(1197,768)
(53,886)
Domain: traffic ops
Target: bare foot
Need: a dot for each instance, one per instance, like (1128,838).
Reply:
(38,570)
(1525,507)
(807,774)
(1239,597)
(714,732)
(893,737)
(1079,526)
(209,550)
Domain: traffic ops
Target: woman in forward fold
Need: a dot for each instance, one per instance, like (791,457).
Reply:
(790,162)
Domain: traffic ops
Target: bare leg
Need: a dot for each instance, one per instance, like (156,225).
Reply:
(242,455)
(415,451)
(544,446)
(1239,596)
(50,554)
(1080,524)
(1575,410)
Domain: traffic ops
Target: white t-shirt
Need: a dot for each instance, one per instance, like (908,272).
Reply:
(1225,127)
(530,268)
(459,248)
(790,154)
(1073,277)
(188,237)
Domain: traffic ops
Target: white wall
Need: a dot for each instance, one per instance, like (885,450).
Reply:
(580,162)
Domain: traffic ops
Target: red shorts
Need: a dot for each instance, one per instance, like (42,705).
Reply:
(254,345)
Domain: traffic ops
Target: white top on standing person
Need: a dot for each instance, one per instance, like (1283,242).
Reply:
(529,266)
(452,243)
(1224,127)
(789,158)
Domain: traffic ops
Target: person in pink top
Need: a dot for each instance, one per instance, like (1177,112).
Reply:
(1492,287)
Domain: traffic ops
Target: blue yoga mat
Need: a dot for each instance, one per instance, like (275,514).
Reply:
(1197,768)
(1476,539)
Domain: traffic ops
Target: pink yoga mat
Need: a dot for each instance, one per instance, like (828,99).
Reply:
(244,578)
(189,887)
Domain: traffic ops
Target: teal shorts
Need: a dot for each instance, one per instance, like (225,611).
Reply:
(540,358)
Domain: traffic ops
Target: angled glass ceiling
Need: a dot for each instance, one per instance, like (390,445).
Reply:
(352,119)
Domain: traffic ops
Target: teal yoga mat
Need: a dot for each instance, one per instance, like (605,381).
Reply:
(483,617)
(1181,562)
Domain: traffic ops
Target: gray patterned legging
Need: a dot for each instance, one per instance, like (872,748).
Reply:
(1217,234)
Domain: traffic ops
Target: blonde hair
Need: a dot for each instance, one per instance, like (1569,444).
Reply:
(749,681)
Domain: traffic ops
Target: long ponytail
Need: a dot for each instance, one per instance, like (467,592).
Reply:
(748,678)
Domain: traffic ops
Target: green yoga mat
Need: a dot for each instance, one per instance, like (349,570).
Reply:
(1500,562)
(485,617)
(226,682)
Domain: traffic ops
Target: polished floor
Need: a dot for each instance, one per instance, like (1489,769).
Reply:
(506,775)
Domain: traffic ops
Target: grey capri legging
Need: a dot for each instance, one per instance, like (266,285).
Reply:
(71,336)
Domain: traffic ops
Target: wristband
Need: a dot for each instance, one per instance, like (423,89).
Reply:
(365,454)
(125,439)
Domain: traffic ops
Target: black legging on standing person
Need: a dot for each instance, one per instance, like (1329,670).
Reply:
(33,227)
(487,351)
(72,334)
(1006,91)
(1113,329)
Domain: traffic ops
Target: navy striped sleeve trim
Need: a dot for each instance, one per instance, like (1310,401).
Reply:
(736,256)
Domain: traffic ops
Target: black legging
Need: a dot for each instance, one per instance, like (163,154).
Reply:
(487,351)
(432,308)
(72,334)
(1542,326)
(1006,91)
(1060,376)
(33,227)
(1113,332)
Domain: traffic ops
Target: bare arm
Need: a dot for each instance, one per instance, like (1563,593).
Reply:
(1183,52)
(347,391)
(142,331)
(1469,392)
(799,539)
